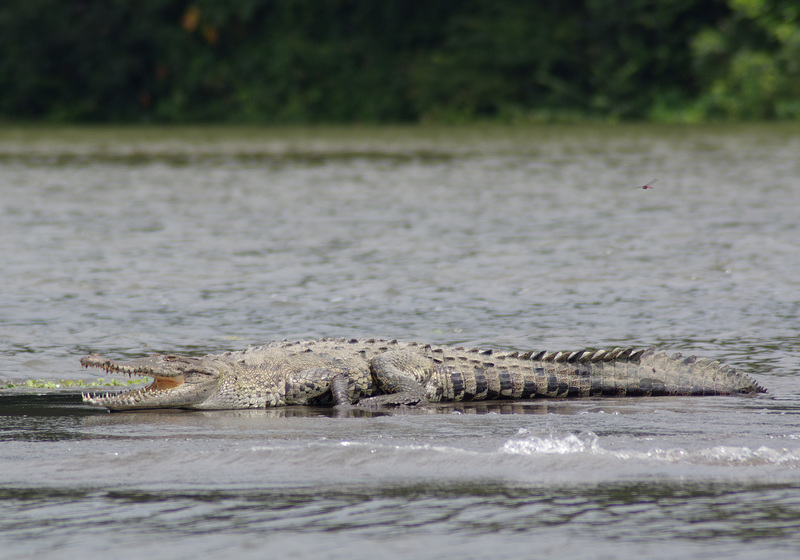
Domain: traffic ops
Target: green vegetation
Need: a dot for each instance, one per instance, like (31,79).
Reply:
(66,383)
(343,61)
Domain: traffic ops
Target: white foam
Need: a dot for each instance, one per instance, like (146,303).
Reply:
(588,443)
(571,443)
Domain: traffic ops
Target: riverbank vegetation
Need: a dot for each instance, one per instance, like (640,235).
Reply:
(398,61)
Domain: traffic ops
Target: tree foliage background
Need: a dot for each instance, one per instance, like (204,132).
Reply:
(306,61)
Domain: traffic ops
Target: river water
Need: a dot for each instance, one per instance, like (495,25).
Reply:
(128,241)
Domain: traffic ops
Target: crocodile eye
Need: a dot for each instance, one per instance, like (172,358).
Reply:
(170,357)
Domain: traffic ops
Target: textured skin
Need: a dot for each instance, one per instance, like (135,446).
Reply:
(383,372)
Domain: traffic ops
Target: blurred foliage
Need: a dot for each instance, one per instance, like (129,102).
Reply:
(304,61)
(749,63)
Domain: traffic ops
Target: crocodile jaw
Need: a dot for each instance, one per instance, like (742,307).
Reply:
(178,382)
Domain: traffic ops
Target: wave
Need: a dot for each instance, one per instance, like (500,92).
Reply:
(529,459)
(588,443)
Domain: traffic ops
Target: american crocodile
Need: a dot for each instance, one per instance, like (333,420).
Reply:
(371,373)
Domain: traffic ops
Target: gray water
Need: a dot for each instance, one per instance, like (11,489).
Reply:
(128,241)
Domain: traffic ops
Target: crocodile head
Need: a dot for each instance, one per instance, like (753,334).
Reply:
(178,381)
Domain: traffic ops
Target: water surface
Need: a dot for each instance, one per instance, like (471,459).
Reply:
(127,241)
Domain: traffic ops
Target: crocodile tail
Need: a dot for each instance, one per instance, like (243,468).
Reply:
(586,373)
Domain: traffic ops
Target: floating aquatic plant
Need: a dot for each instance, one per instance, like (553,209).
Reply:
(66,383)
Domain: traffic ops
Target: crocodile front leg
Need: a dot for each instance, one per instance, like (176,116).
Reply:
(401,376)
(313,383)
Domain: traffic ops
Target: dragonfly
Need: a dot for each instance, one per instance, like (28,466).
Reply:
(648,185)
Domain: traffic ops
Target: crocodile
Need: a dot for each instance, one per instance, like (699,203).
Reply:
(377,372)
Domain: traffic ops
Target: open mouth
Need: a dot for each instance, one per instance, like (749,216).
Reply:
(159,383)
(164,383)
